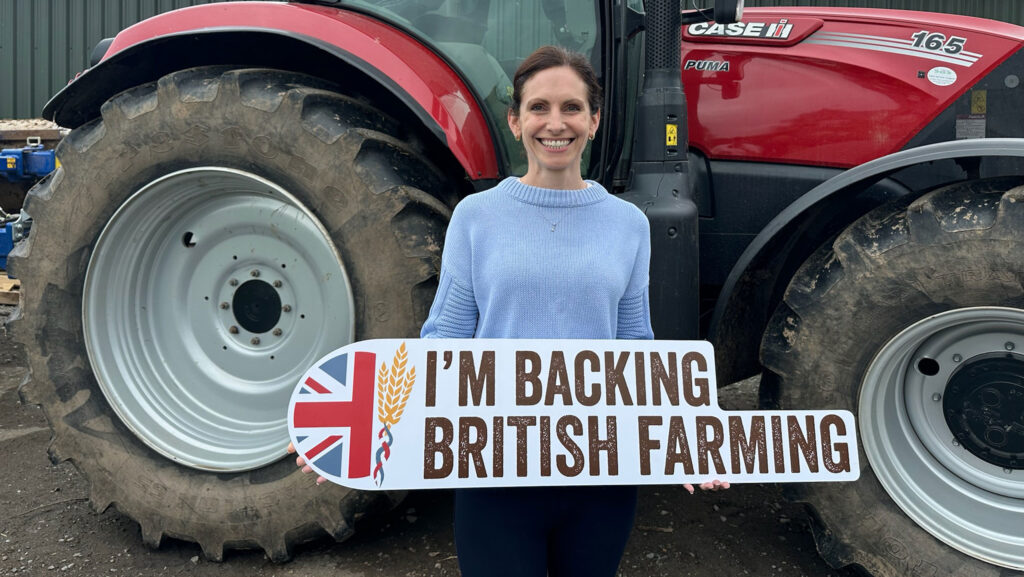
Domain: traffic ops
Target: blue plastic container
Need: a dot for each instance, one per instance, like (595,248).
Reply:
(6,244)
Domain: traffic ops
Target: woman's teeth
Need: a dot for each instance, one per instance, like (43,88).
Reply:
(561,143)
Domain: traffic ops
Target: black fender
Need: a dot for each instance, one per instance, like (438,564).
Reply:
(757,281)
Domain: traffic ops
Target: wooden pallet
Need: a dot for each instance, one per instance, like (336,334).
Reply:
(16,138)
(10,290)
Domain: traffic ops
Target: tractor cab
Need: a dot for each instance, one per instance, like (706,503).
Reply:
(486,40)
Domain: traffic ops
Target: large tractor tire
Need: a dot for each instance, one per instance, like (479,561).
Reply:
(206,240)
(913,318)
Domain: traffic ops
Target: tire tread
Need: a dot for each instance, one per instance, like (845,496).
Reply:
(337,129)
(887,263)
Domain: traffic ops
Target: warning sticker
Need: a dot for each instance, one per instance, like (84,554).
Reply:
(979,102)
(671,135)
(970,126)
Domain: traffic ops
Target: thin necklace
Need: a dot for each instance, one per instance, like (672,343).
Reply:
(553,224)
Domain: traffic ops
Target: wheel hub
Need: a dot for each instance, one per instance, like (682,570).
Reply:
(207,295)
(940,418)
(984,408)
(257,306)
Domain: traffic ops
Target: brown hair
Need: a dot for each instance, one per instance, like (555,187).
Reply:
(551,57)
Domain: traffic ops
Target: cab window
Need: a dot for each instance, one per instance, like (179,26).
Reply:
(487,39)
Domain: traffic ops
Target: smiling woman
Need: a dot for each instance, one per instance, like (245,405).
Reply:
(556,109)
(545,255)
(522,261)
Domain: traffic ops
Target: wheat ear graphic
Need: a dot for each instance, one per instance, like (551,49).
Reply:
(393,389)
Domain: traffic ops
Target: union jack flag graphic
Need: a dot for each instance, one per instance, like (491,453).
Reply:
(337,394)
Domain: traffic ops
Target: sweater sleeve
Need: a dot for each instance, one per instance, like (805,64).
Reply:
(634,313)
(635,317)
(454,313)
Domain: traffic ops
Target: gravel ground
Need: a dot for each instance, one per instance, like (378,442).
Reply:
(48,528)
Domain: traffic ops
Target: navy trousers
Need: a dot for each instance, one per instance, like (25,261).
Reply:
(539,531)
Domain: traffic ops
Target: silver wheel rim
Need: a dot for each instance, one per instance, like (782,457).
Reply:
(972,505)
(169,272)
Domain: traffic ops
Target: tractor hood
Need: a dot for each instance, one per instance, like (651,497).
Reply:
(840,87)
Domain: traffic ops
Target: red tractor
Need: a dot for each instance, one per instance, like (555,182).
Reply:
(248,186)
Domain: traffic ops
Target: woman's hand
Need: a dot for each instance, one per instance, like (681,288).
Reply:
(300,462)
(707,486)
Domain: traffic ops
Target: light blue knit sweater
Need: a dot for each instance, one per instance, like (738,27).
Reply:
(526,262)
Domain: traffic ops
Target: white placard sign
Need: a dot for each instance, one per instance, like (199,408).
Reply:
(444,413)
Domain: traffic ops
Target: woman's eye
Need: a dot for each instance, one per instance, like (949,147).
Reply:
(537,107)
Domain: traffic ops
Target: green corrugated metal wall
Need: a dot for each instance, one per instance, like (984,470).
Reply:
(43,43)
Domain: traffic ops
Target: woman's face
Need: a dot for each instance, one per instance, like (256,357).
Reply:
(555,123)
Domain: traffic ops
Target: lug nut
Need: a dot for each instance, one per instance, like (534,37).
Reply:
(957,358)
(255,340)
(224,305)
(1009,346)
(277,332)
(254,273)
(287,308)
(936,397)
(277,284)
(233,330)
(233,282)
